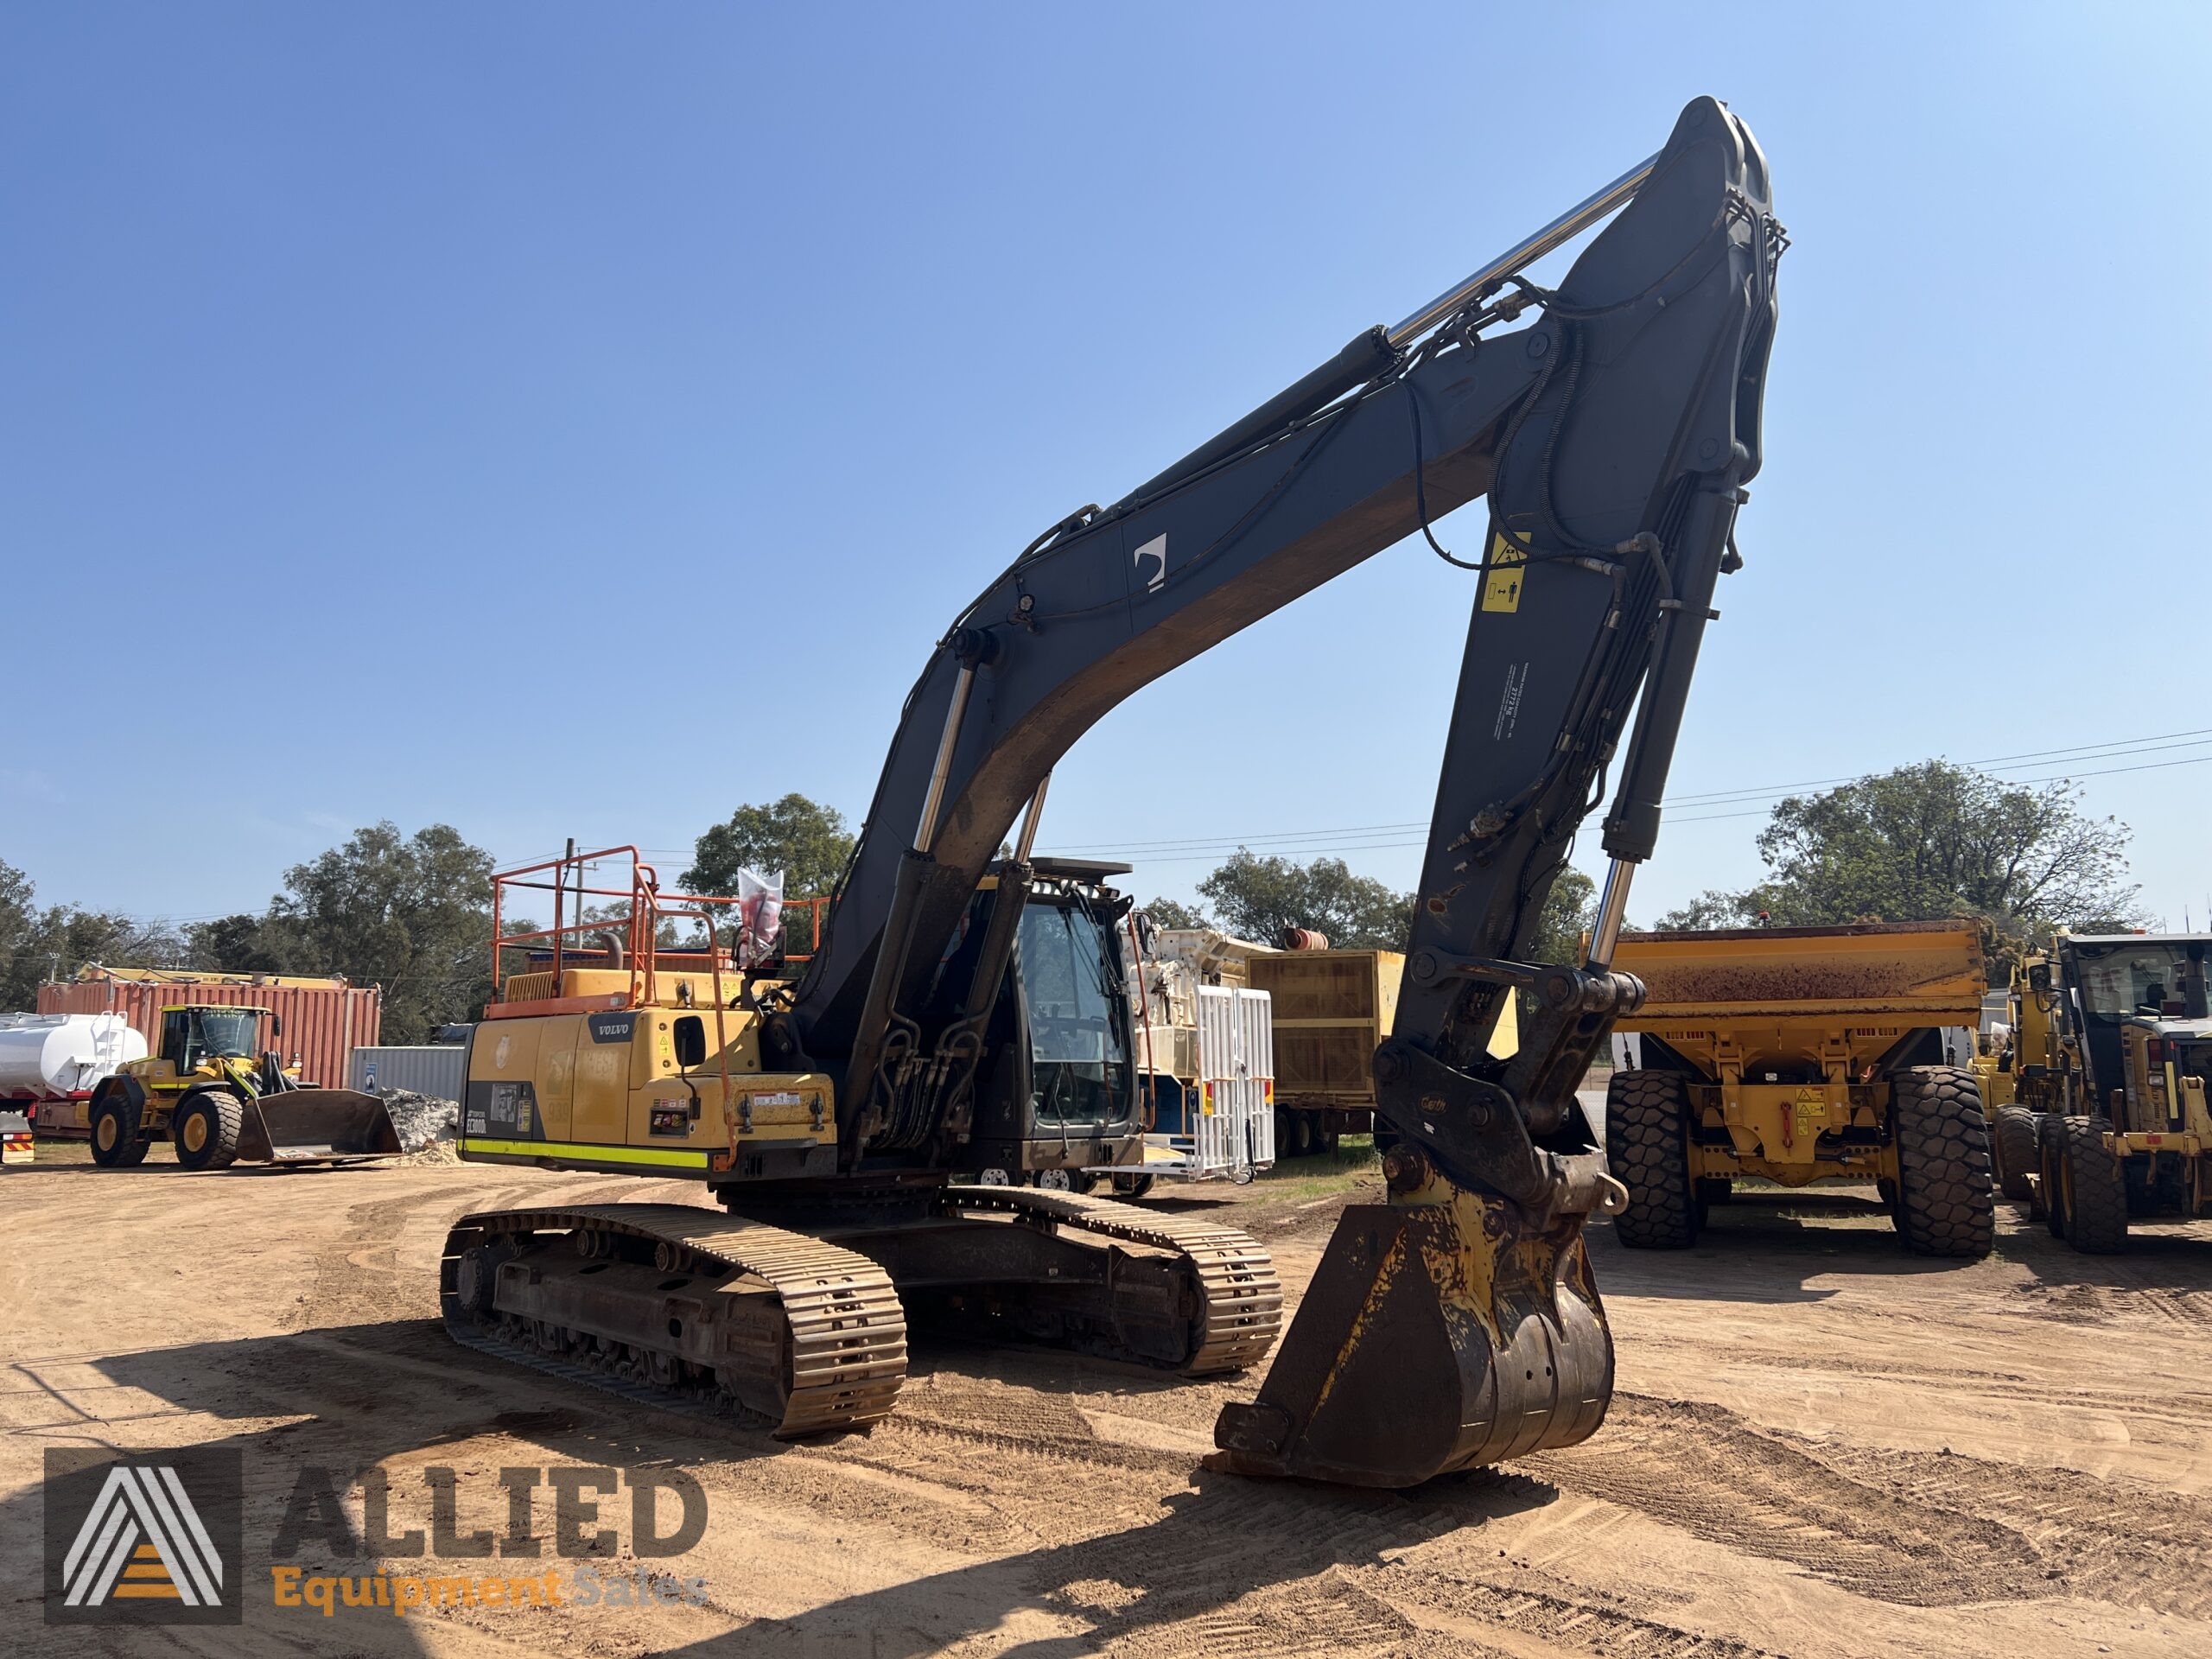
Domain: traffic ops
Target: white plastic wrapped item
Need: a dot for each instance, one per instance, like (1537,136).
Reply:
(760,916)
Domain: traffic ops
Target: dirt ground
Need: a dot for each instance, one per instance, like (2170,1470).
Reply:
(1819,1447)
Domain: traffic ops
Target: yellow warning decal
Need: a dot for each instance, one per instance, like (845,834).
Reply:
(1502,587)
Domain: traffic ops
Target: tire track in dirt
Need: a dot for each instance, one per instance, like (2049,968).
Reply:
(354,1272)
(1328,1614)
(2191,1413)
(1308,1559)
(2085,1304)
(1582,1626)
(2109,1539)
(1915,1529)
(357,1271)
(1702,1468)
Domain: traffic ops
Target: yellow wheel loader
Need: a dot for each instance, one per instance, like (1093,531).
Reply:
(206,1091)
(1455,1322)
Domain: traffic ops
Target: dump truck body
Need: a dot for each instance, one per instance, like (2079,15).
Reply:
(1332,1009)
(1785,1053)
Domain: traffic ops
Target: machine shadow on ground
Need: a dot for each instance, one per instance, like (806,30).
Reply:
(2170,1255)
(357,1394)
(1764,1249)
(1213,1546)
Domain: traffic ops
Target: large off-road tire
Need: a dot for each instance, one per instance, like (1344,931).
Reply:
(2050,1160)
(1648,1148)
(205,1127)
(2093,1192)
(2013,1142)
(117,1143)
(1133,1187)
(1947,1205)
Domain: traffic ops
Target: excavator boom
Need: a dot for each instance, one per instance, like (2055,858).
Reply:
(1613,435)
(1612,423)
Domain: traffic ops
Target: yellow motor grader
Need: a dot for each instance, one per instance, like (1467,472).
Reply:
(215,1090)
(2112,1051)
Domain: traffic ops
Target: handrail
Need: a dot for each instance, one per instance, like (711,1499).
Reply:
(648,907)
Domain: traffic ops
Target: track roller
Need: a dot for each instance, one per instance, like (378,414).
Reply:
(680,1305)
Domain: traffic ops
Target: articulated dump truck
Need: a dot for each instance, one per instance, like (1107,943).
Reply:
(1803,1054)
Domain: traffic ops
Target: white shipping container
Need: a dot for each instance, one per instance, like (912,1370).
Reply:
(436,1070)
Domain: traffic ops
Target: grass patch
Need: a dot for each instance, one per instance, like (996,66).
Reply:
(1323,1174)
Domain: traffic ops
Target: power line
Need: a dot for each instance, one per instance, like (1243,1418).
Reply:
(1361,837)
(2084,751)
(1746,802)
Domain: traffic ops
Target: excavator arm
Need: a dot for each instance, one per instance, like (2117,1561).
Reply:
(1613,436)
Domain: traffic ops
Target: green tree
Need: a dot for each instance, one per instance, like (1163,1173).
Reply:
(1172,913)
(412,913)
(1711,908)
(38,945)
(806,841)
(1930,840)
(231,945)
(1570,910)
(1256,899)
(20,973)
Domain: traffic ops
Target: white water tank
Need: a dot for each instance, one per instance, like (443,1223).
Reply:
(45,1055)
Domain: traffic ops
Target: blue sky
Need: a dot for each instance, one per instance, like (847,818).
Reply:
(557,420)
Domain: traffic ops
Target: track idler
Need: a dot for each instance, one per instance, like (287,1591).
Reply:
(1444,1330)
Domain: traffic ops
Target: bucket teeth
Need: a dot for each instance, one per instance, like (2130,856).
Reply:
(1434,1337)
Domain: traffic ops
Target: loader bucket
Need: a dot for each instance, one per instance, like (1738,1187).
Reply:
(316,1126)
(1436,1336)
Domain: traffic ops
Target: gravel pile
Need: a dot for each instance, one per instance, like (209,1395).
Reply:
(422,1120)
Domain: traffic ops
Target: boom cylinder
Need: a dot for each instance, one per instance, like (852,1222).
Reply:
(1561,230)
(1612,906)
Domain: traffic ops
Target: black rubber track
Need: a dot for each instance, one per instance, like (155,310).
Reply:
(2096,1213)
(1647,1147)
(2014,1143)
(1947,1205)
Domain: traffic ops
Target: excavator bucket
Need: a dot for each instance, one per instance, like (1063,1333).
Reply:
(316,1126)
(1437,1335)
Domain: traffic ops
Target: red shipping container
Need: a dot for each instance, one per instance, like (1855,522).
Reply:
(325,1019)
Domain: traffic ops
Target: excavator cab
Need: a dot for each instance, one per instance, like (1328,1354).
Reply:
(1061,1094)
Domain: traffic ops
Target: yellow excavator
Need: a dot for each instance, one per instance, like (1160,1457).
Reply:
(222,1096)
(1613,423)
